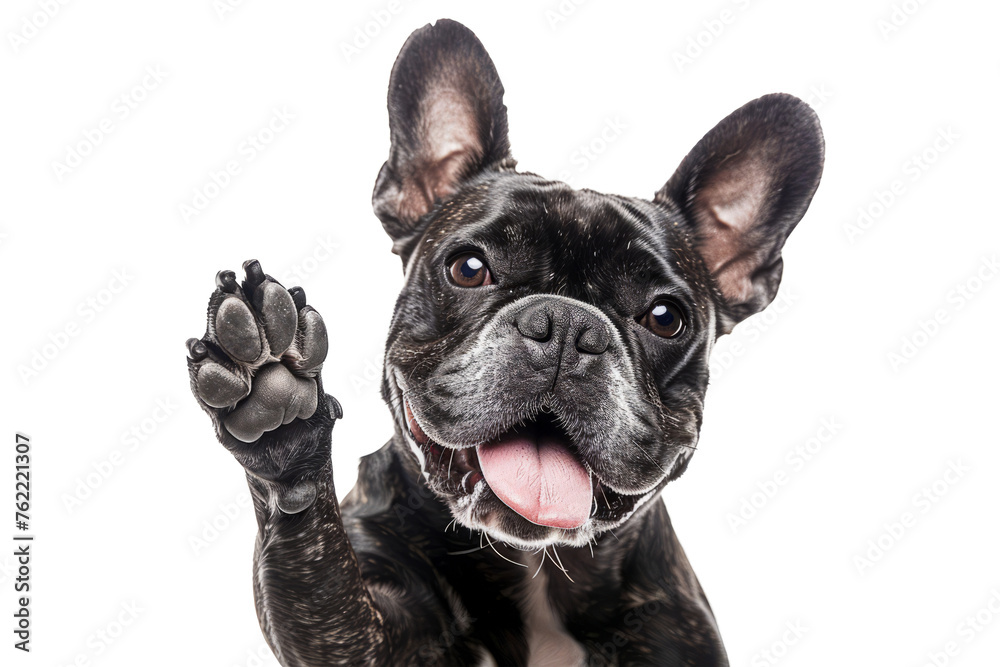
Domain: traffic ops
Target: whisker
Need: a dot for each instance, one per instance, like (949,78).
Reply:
(462,553)
(651,460)
(561,566)
(500,554)
(540,563)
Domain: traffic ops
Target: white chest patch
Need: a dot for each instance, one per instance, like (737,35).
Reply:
(549,645)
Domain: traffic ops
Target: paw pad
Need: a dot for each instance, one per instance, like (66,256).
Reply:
(237,331)
(258,363)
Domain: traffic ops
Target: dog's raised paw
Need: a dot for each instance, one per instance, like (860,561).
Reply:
(258,364)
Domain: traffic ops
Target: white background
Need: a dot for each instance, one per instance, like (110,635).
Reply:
(851,298)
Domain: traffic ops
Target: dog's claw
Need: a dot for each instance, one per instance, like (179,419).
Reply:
(196,349)
(255,274)
(226,281)
(334,405)
(298,296)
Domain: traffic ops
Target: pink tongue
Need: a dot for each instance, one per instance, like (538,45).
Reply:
(543,481)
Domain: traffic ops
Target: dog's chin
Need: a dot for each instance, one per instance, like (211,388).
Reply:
(579,507)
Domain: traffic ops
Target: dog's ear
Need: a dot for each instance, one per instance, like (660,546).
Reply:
(742,190)
(447,122)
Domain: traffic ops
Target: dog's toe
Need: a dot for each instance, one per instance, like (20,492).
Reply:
(219,387)
(278,314)
(313,343)
(236,330)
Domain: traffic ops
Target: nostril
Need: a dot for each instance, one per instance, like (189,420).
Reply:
(593,340)
(535,324)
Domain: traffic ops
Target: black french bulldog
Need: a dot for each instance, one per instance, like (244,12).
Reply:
(546,369)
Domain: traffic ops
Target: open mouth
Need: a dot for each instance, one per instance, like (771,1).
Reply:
(533,469)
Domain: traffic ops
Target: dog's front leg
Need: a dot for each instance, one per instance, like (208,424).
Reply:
(312,604)
(256,372)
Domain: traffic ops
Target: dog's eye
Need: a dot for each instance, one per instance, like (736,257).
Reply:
(663,318)
(469,270)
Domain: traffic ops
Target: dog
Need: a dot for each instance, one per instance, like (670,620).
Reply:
(546,369)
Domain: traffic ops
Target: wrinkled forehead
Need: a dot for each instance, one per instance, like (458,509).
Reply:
(522,221)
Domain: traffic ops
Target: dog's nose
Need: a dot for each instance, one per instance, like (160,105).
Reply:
(535,322)
(557,322)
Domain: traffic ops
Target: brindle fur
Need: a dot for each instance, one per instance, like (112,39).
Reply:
(393,576)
